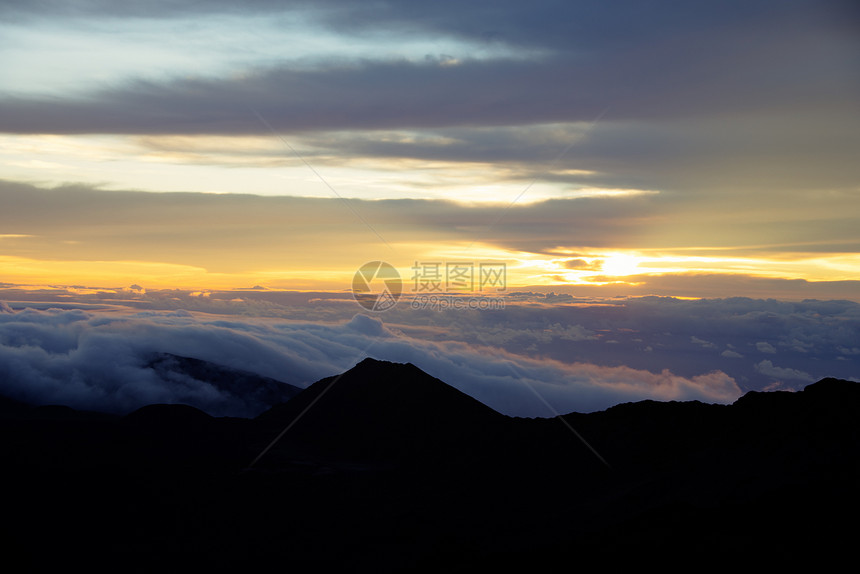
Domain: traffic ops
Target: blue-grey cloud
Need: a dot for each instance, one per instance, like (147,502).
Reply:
(765,347)
(588,24)
(403,94)
(577,357)
(747,96)
(98,360)
(666,61)
(767,368)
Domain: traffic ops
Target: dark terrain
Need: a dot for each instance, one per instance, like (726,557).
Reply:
(247,393)
(391,470)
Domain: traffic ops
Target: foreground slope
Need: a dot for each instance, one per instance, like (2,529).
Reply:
(387,469)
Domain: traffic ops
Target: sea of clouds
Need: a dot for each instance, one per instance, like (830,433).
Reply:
(534,358)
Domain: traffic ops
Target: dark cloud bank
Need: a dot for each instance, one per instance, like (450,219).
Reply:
(698,84)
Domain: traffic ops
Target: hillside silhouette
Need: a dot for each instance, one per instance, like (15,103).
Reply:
(387,469)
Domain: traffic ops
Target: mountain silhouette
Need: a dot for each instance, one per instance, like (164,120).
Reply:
(168,415)
(248,393)
(380,409)
(385,468)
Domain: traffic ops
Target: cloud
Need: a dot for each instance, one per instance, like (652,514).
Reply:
(583,264)
(702,342)
(765,347)
(620,332)
(725,113)
(686,94)
(98,360)
(198,233)
(371,326)
(718,285)
(101,362)
(580,355)
(391,95)
(767,368)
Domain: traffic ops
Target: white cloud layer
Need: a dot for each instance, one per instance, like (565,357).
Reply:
(88,349)
(97,360)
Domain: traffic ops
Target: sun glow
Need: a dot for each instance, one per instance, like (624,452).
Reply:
(620,265)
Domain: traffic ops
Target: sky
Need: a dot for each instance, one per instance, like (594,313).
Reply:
(648,149)
(608,152)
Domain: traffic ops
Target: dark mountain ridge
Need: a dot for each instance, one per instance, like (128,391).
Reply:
(381,410)
(248,393)
(387,469)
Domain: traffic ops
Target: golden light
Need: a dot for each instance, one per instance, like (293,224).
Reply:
(620,264)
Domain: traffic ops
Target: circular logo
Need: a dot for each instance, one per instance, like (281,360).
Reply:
(377,286)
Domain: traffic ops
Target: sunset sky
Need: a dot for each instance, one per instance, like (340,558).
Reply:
(596,148)
(672,187)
